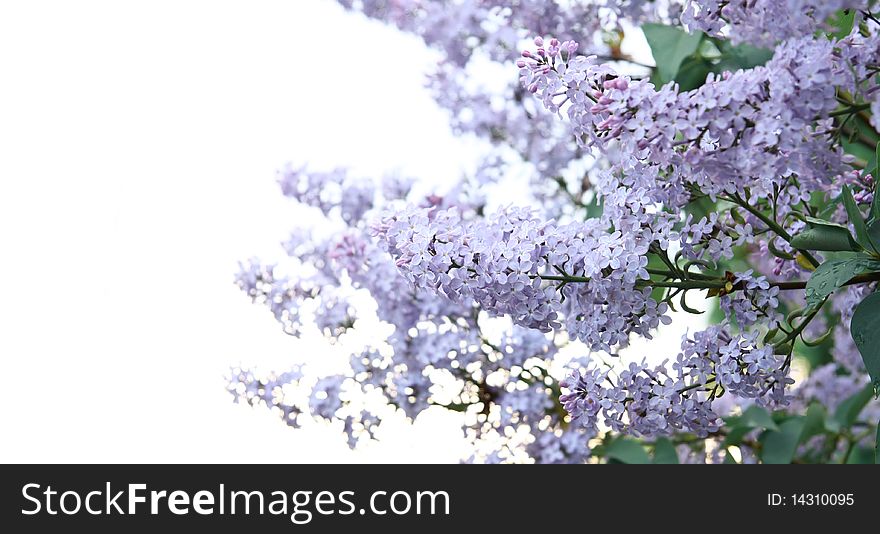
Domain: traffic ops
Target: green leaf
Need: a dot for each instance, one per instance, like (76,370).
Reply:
(655,262)
(692,73)
(825,236)
(743,56)
(876,168)
(670,46)
(877,446)
(842,22)
(714,55)
(865,328)
(728,458)
(861,455)
(874,233)
(824,206)
(456,406)
(848,410)
(875,210)
(866,132)
(594,208)
(778,447)
(627,451)
(856,219)
(814,421)
(664,452)
(832,274)
(754,417)
(757,417)
(875,173)
(735,435)
(857,149)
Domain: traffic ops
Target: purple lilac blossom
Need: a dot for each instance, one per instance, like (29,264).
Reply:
(436,265)
(757,21)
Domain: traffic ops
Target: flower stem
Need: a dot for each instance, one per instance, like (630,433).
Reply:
(773,225)
(709,283)
(850,110)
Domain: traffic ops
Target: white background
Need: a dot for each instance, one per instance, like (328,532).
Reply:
(138,144)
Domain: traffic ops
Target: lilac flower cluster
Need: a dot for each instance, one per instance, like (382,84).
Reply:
(328,190)
(430,333)
(441,269)
(461,28)
(711,137)
(466,31)
(325,398)
(660,400)
(756,134)
(509,264)
(283,296)
(512,124)
(245,386)
(757,22)
(756,302)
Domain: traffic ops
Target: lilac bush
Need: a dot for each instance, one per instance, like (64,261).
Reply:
(736,178)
